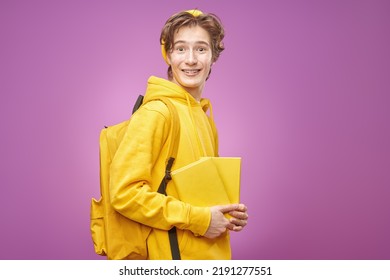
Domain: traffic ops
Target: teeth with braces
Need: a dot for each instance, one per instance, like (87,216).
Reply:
(191,71)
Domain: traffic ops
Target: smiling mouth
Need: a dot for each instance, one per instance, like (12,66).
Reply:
(191,71)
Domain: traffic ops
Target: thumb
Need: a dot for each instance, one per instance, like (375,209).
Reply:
(228,208)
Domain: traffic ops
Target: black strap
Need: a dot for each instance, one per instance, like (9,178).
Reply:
(163,186)
(138,103)
(172,232)
(174,244)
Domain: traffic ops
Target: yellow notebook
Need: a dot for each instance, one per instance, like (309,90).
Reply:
(209,181)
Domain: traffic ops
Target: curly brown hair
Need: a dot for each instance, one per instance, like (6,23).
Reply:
(210,22)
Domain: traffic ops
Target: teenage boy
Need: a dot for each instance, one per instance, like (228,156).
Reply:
(191,42)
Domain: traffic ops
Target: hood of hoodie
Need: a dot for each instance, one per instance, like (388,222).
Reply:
(158,87)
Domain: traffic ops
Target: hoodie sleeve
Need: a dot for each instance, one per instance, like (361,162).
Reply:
(131,192)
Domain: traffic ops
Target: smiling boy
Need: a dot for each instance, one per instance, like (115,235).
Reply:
(191,42)
(190,59)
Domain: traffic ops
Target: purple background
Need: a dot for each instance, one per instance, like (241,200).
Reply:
(301,93)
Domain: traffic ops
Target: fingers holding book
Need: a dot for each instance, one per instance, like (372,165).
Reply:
(219,223)
(239,218)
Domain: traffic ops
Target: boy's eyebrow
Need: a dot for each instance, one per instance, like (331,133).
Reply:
(185,42)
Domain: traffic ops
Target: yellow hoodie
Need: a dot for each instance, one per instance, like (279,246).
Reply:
(139,165)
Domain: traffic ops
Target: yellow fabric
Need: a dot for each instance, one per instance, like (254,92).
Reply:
(195,13)
(209,181)
(114,235)
(108,228)
(139,164)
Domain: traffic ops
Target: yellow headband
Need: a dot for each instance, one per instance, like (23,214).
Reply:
(195,13)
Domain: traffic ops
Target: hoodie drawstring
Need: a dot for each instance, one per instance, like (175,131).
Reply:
(206,105)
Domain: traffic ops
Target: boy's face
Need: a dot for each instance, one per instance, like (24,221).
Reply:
(190,59)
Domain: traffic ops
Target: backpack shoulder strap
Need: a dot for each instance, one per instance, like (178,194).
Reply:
(174,136)
(112,136)
(174,132)
(175,128)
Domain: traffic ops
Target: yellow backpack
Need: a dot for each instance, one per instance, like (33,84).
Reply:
(114,235)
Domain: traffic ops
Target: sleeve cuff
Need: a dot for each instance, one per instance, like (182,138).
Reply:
(199,220)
